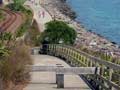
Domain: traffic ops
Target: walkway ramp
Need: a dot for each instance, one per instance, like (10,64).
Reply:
(46,80)
(38,10)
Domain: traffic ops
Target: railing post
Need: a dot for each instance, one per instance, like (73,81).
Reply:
(87,62)
(119,81)
(55,50)
(1,84)
(58,51)
(67,54)
(77,63)
(48,50)
(101,74)
(96,76)
(110,77)
(60,82)
(76,57)
(91,63)
(32,51)
(59,78)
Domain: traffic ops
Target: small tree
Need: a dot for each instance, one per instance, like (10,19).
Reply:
(17,5)
(59,32)
(20,2)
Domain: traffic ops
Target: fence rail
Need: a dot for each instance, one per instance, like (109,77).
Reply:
(64,70)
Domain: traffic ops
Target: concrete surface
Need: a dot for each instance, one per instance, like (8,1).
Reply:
(38,13)
(46,80)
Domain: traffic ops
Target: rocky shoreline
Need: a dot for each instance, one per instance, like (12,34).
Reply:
(60,10)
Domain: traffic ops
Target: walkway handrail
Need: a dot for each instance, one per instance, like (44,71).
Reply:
(64,70)
(96,59)
(109,76)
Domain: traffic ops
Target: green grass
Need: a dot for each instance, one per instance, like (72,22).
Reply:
(28,17)
(2,16)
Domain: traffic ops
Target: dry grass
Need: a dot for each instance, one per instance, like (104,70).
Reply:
(12,69)
(33,37)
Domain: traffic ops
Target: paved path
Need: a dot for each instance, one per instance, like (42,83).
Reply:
(46,80)
(12,21)
(40,14)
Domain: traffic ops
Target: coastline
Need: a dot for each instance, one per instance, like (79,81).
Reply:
(88,39)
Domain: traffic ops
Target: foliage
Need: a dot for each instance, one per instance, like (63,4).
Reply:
(59,32)
(19,1)
(2,16)
(5,36)
(33,36)
(13,67)
(25,26)
(3,51)
(17,5)
(5,39)
(15,56)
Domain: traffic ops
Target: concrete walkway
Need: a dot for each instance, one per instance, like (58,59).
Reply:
(40,14)
(46,80)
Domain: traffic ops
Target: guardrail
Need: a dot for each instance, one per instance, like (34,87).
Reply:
(64,70)
(107,79)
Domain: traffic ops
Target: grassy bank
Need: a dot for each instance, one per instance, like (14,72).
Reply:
(15,55)
(2,16)
(27,14)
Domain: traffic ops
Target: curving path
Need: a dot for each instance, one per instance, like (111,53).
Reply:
(38,13)
(46,80)
(12,21)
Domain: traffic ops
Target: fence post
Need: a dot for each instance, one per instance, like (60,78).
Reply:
(101,74)
(59,78)
(110,77)
(119,80)
(60,82)
(1,84)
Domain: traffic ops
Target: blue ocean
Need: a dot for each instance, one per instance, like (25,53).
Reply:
(99,16)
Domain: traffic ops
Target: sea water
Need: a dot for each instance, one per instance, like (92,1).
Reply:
(99,16)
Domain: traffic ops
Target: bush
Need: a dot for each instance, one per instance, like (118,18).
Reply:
(13,67)
(17,5)
(32,37)
(5,40)
(2,16)
(59,32)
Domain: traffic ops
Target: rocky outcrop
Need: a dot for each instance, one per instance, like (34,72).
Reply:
(63,7)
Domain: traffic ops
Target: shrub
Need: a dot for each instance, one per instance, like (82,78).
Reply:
(33,36)
(2,16)
(17,5)
(13,67)
(59,32)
